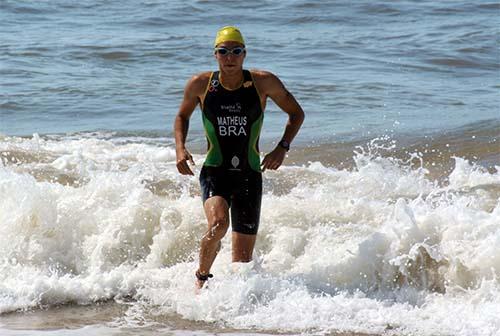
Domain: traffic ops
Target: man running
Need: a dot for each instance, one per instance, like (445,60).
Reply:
(232,101)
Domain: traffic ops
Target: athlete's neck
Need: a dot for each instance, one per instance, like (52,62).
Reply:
(231,81)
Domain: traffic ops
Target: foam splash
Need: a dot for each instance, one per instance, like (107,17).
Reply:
(376,248)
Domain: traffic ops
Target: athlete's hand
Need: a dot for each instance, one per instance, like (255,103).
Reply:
(274,159)
(183,156)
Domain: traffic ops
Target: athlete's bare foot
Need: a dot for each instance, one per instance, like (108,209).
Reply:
(198,285)
(200,280)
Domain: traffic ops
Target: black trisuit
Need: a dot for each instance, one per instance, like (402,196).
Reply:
(232,120)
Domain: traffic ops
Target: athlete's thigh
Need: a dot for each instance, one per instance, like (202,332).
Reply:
(216,197)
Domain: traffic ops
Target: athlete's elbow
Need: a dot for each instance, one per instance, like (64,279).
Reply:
(297,117)
(181,123)
(181,119)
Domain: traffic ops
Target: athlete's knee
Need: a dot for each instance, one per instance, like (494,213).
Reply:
(217,228)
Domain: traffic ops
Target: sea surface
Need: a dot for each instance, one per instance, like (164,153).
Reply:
(383,220)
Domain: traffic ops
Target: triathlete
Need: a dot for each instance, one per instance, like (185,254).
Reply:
(232,101)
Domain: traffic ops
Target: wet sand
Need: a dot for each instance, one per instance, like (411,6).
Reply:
(110,318)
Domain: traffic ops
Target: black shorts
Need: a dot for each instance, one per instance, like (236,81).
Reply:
(242,191)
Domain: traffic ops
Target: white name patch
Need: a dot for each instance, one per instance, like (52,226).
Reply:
(232,125)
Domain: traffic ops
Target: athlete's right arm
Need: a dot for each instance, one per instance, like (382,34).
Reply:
(193,91)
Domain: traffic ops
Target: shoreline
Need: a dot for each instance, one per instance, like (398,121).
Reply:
(109,318)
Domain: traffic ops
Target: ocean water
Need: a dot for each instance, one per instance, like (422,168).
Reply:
(357,68)
(384,219)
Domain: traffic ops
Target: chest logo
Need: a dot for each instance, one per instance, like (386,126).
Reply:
(214,83)
(247,84)
(235,161)
(231,108)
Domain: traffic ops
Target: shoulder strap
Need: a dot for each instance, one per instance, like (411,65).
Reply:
(202,100)
(247,76)
(215,75)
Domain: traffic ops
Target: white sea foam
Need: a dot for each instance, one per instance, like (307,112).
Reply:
(379,248)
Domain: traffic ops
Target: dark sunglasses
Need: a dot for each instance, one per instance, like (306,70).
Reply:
(225,51)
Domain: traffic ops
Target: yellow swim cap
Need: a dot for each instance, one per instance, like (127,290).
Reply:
(228,33)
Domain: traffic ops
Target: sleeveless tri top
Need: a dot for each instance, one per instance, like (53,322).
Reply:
(232,120)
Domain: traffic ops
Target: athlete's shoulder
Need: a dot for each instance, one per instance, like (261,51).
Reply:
(199,81)
(266,81)
(262,74)
(201,78)
(265,77)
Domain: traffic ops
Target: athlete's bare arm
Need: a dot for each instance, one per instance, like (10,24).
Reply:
(193,93)
(271,86)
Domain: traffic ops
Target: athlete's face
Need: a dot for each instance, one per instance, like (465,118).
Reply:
(230,62)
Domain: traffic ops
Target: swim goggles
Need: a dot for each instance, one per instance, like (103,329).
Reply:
(225,51)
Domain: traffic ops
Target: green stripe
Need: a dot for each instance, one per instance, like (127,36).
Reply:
(253,153)
(214,155)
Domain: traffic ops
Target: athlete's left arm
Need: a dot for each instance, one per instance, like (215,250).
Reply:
(272,87)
